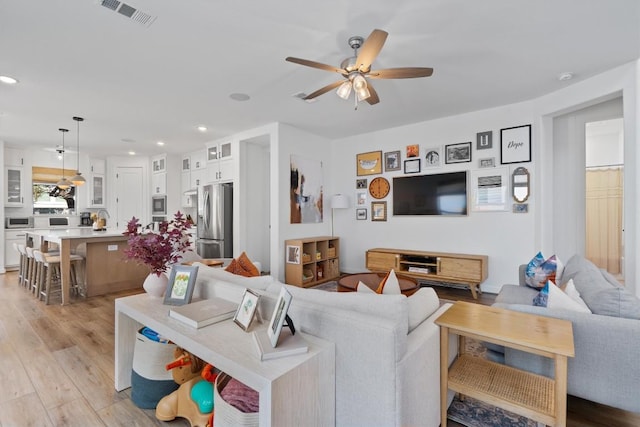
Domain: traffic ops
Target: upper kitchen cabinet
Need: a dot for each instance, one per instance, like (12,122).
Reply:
(159,183)
(14,177)
(97,183)
(159,163)
(220,166)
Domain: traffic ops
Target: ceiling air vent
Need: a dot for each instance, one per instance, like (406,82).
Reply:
(128,11)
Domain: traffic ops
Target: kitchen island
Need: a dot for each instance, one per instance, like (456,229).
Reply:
(106,269)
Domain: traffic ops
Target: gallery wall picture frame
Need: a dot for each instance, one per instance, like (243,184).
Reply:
(433,157)
(412,166)
(378,211)
(520,208)
(457,153)
(361,214)
(361,183)
(515,144)
(489,162)
(369,163)
(361,198)
(413,150)
(293,254)
(484,140)
(246,309)
(182,280)
(490,189)
(392,161)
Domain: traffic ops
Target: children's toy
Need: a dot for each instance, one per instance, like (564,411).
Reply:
(194,398)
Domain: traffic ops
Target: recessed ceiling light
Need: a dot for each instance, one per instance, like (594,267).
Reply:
(8,80)
(132,153)
(239,97)
(202,128)
(565,76)
(160,143)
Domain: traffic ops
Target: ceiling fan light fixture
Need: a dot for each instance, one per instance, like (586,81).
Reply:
(344,90)
(363,93)
(359,82)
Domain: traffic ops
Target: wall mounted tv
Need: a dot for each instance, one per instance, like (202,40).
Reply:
(436,194)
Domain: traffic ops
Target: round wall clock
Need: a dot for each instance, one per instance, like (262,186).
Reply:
(379,188)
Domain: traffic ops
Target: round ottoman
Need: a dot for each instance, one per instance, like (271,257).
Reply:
(349,283)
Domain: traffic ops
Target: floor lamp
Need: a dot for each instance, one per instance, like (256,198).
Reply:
(338,201)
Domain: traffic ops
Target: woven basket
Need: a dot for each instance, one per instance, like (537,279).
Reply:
(226,414)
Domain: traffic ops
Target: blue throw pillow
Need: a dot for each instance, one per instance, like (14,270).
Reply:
(539,271)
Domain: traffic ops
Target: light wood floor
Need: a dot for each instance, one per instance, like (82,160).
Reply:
(56,366)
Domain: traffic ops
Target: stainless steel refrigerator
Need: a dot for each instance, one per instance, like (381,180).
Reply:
(215,221)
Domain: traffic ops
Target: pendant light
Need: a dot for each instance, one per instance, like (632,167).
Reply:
(78,180)
(64,183)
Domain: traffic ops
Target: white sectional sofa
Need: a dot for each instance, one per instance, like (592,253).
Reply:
(387,346)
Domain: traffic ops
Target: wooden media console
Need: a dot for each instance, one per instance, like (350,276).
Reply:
(438,267)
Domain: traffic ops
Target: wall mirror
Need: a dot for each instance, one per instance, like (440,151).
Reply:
(520,184)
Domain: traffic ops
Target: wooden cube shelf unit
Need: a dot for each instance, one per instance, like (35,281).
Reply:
(317,260)
(463,269)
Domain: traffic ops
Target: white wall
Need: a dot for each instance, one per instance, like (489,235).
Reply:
(505,237)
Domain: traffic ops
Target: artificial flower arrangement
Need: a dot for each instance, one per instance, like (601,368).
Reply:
(158,249)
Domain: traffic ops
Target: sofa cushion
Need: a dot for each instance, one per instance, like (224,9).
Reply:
(552,297)
(422,304)
(617,302)
(569,288)
(212,281)
(514,294)
(539,271)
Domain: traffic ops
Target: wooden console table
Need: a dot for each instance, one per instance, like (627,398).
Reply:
(464,269)
(294,390)
(533,396)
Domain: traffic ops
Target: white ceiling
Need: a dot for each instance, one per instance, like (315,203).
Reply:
(140,83)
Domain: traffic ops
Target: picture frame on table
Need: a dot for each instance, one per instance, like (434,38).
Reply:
(361,214)
(458,153)
(378,211)
(412,166)
(278,317)
(293,254)
(369,163)
(392,161)
(181,283)
(247,309)
(515,144)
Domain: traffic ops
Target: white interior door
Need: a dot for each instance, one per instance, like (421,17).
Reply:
(130,195)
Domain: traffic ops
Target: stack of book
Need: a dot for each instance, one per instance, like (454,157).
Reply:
(204,312)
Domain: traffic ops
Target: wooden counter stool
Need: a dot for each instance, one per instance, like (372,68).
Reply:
(24,261)
(30,281)
(23,258)
(50,274)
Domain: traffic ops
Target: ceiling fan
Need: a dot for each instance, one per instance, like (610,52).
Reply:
(357,69)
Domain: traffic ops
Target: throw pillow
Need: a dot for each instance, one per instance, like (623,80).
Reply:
(570,289)
(539,271)
(247,265)
(363,288)
(552,297)
(233,267)
(389,285)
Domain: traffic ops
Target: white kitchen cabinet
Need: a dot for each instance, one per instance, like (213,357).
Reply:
(186,163)
(220,167)
(187,201)
(219,151)
(159,164)
(13,156)
(14,179)
(159,183)
(11,256)
(198,160)
(97,186)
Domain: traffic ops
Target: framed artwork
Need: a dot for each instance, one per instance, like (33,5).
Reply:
(392,161)
(293,254)
(181,283)
(490,189)
(432,157)
(484,140)
(413,150)
(489,162)
(515,144)
(521,208)
(361,198)
(378,211)
(247,309)
(361,183)
(369,163)
(361,214)
(458,153)
(412,166)
(279,315)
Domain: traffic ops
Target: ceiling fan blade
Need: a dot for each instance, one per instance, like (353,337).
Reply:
(324,90)
(401,73)
(314,64)
(370,49)
(373,98)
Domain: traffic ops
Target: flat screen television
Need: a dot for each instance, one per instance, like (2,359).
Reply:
(436,194)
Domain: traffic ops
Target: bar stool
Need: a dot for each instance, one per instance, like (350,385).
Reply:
(50,275)
(31,269)
(24,261)
(21,262)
